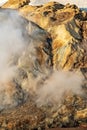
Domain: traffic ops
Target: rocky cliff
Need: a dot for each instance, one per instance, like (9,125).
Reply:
(65,24)
(56,37)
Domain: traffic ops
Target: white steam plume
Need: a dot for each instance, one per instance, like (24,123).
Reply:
(19,40)
(12,42)
(58,86)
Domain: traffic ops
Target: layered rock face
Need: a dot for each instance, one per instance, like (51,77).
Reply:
(56,40)
(64,24)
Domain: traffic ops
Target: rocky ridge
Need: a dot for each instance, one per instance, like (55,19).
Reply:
(15,4)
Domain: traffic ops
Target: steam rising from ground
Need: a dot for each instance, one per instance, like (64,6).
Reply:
(58,86)
(13,42)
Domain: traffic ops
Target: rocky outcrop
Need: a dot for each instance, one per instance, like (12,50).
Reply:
(15,4)
(64,23)
(84,28)
(67,27)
